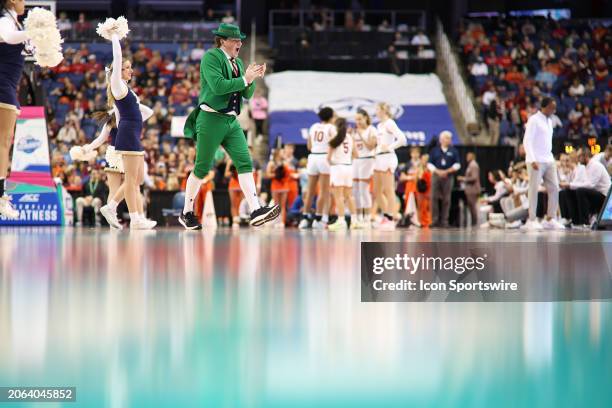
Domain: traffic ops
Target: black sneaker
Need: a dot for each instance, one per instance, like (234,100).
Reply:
(190,221)
(264,214)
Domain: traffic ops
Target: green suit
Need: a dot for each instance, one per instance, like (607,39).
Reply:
(220,91)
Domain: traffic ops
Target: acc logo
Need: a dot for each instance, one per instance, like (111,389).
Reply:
(347,108)
(29,198)
(29,144)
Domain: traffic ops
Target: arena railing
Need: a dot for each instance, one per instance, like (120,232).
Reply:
(159,31)
(448,69)
(398,20)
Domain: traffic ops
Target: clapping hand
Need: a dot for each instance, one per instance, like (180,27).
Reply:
(254,71)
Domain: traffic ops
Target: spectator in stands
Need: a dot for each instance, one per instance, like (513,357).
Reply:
(420,39)
(68,133)
(494,115)
(63,23)
(197,52)
(259,111)
(425,53)
(479,68)
(385,27)
(546,53)
(443,163)
(577,89)
(210,15)
(95,192)
(228,18)
(591,190)
(82,26)
(399,40)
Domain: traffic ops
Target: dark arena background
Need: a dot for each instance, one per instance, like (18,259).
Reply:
(465,129)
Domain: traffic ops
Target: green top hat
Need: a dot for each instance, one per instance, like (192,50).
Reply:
(229,31)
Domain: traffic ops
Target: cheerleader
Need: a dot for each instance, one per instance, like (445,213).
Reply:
(319,136)
(280,173)
(114,163)
(12,61)
(340,159)
(410,178)
(388,138)
(127,141)
(364,138)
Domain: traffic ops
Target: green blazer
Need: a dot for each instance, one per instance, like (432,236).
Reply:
(217,86)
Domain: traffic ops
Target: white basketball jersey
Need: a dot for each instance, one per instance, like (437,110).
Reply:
(360,137)
(320,134)
(343,154)
(387,133)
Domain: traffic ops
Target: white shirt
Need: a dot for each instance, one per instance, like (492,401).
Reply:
(320,134)
(602,159)
(9,31)
(343,154)
(596,177)
(488,97)
(360,137)
(538,139)
(420,39)
(479,69)
(207,108)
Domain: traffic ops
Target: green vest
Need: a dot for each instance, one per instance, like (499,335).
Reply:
(217,86)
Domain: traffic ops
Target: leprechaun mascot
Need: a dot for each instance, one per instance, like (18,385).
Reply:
(223,84)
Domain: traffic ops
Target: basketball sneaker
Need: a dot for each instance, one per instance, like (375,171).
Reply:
(319,225)
(337,226)
(142,224)
(265,214)
(386,225)
(111,217)
(189,221)
(553,224)
(304,224)
(7,209)
(531,226)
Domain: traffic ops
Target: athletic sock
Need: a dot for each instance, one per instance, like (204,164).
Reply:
(325,218)
(388,216)
(191,192)
(134,216)
(112,204)
(1,187)
(317,217)
(247,184)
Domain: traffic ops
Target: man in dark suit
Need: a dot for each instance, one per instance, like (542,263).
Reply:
(472,185)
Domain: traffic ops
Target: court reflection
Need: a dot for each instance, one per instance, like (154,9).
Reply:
(236,318)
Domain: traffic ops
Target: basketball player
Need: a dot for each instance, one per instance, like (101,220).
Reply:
(364,138)
(340,158)
(319,136)
(388,138)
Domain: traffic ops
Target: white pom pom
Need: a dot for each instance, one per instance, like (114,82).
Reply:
(112,26)
(39,18)
(77,153)
(41,27)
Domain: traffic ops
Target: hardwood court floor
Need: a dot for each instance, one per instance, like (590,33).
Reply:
(273,318)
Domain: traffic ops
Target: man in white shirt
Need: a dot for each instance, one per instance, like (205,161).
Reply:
(541,165)
(592,189)
(420,39)
(479,68)
(605,158)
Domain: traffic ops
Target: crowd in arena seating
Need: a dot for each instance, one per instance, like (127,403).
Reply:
(513,63)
